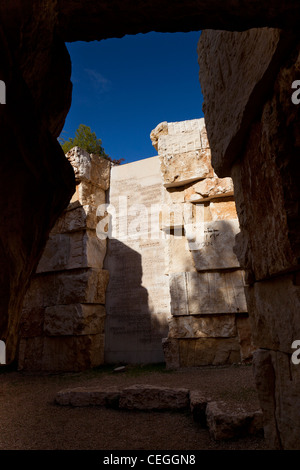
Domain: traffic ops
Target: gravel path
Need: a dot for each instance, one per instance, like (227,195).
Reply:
(30,419)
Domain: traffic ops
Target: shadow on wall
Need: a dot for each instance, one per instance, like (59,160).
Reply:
(133,332)
(218,285)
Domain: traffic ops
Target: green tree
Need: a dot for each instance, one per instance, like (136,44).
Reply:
(87,140)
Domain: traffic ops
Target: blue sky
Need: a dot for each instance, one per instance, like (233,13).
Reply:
(123,88)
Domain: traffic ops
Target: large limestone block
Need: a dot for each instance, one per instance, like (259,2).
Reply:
(100,171)
(235,70)
(160,129)
(76,319)
(209,188)
(196,126)
(32,322)
(81,249)
(277,381)
(150,397)
(81,162)
(178,255)
(223,209)
(178,294)
(213,326)
(179,169)
(61,353)
(88,396)
(212,244)
(207,293)
(76,217)
(268,242)
(90,167)
(69,287)
(198,405)
(208,351)
(171,353)
(274,306)
(228,424)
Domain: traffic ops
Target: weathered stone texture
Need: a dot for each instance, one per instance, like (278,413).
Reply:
(207,293)
(242,76)
(200,222)
(184,154)
(209,188)
(61,353)
(150,397)
(198,352)
(137,301)
(83,396)
(217,326)
(227,425)
(63,311)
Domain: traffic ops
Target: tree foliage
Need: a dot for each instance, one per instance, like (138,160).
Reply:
(87,140)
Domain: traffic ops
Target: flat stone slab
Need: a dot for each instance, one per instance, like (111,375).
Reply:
(83,396)
(149,397)
(226,424)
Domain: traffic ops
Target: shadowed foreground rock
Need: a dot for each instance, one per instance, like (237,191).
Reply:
(222,422)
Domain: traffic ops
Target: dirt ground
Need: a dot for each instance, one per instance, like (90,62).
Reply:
(30,419)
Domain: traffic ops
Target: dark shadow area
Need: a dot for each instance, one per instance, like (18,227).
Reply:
(132,333)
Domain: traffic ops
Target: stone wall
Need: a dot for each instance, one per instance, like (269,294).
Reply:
(208,321)
(246,80)
(62,323)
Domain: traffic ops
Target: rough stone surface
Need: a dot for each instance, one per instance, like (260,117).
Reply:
(198,405)
(171,353)
(265,174)
(224,424)
(75,218)
(77,250)
(243,64)
(137,299)
(89,167)
(61,353)
(95,21)
(64,308)
(245,336)
(208,351)
(87,396)
(212,244)
(209,188)
(200,222)
(36,68)
(191,326)
(273,329)
(184,152)
(67,287)
(77,319)
(207,293)
(150,397)
(223,209)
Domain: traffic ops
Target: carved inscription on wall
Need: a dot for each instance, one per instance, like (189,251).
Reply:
(137,298)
